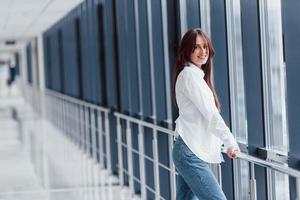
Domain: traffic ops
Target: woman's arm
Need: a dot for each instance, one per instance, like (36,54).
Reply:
(198,92)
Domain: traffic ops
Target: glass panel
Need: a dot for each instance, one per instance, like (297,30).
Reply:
(274,91)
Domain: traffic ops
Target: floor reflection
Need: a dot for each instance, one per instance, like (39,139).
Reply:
(38,163)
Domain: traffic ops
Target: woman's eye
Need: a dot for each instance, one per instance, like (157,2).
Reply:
(200,47)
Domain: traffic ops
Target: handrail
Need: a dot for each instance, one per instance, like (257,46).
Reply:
(74,100)
(278,167)
(147,124)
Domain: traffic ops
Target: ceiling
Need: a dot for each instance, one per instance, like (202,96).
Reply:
(21,20)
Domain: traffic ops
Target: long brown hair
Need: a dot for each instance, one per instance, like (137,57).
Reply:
(187,46)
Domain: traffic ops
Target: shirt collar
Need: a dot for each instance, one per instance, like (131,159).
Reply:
(198,69)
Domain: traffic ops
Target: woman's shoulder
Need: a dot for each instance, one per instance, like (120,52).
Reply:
(187,72)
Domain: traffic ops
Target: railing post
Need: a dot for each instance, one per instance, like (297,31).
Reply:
(172,168)
(253,193)
(107,139)
(120,155)
(100,139)
(155,165)
(129,157)
(142,162)
(93,130)
(298,188)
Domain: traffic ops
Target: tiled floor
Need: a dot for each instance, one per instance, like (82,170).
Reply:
(44,165)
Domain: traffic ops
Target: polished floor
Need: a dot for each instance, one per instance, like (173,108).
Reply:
(38,163)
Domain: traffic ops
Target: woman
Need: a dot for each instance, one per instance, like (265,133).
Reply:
(200,127)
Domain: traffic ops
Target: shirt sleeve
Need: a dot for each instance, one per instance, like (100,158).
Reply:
(199,93)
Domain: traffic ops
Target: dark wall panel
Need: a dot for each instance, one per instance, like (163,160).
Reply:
(221,79)
(132,59)
(123,70)
(62,67)
(55,63)
(86,88)
(17,63)
(29,63)
(193,14)
(158,62)
(253,71)
(107,51)
(145,60)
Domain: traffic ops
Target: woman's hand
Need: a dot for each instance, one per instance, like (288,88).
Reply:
(231,152)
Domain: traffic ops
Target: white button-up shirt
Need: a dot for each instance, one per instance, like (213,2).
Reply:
(200,124)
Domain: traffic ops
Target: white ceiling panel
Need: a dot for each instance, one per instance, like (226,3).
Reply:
(21,19)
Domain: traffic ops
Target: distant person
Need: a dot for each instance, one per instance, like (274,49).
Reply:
(12,74)
(200,128)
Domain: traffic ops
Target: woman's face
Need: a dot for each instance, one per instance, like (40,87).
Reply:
(200,54)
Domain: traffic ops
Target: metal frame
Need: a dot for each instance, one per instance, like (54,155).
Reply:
(272,59)
(237,91)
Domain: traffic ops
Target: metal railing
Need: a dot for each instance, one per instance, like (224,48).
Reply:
(156,164)
(128,121)
(87,125)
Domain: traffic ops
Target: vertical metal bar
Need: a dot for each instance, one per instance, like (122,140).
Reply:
(236,84)
(120,155)
(76,131)
(172,168)
(71,125)
(183,16)
(298,188)
(87,131)
(87,142)
(142,161)
(81,121)
(91,149)
(151,57)
(100,139)
(166,60)
(107,139)
(81,143)
(220,175)
(168,95)
(93,129)
(129,156)
(205,16)
(265,54)
(66,119)
(140,129)
(253,192)
(155,165)
(138,53)
(59,114)
(77,124)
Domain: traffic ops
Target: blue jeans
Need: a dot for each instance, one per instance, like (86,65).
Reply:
(195,179)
